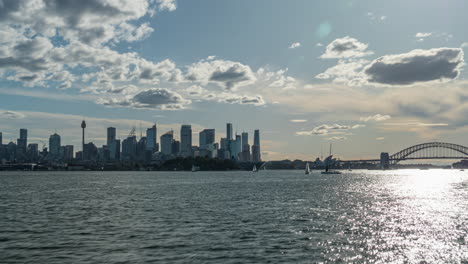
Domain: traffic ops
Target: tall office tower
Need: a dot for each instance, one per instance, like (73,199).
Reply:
(186,140)
(54,146)
(151,134)
(110,135)
(166,142)
(245,154)
(22,141)
(68,153)
(229,131)
(1,138)
(207,137)
(256,157)
(83,126)
(236,147)
(175,147)
(114,150)
(33,151)
(90,151)
(141,148)
(129,148)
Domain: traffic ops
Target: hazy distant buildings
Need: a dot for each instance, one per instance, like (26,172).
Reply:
(229,131)
(206,137)
(110,135)
(245,154)
(54,147)
(186,140)
(166,142)
(256,157)
(151,142)
(22,141)
(129,148)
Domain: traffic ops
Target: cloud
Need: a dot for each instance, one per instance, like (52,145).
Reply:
(376,117)
(417,124)
(295,45)
(346,47)
(349,72)
(238,99)
(156,98)
(336,138)
(298,120)
(328,129)
(228,74)
(169,5)
(423,34)
(11,115)
(441,64)
(379,138)
(195,90)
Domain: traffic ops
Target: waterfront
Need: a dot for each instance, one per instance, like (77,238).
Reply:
(234,217)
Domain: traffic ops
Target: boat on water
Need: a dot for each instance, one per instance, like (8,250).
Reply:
(254,169)
(307,169)
(195,168)
(328,162)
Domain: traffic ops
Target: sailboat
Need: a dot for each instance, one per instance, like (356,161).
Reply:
(307,169)
(328,162)
(254,169)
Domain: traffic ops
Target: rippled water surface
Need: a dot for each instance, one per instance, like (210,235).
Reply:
(234,217)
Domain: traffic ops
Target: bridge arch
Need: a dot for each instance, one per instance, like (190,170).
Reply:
(435,151)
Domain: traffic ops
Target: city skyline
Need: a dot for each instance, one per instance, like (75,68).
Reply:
(340,71)
(144,148)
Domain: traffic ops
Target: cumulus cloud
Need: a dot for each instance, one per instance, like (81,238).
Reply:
(11,115)
(441,64)
(228,74)
(423,34)
(328,129)
(295,45)
(336,138)
(156,98)
(376,117)
(417,124)
(349,72)
(346,47)
(237,99)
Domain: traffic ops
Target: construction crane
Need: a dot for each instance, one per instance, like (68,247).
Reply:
(132,132)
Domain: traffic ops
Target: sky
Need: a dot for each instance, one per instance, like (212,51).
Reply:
(367,76)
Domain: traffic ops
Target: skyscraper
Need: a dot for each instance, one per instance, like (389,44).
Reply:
(129,148)
(110,135)
(229,131)
(1,138)
(151,135)
(166,142)
(256,157)
(54,146)
(206,137)
(22,141)
(245,155)
(114,150)
(83,126)
(186,140)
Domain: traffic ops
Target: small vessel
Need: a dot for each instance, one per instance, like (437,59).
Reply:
(307,169)
(254,169)
(328,162)
(195,168)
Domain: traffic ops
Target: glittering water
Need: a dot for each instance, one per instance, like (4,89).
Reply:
(401,216)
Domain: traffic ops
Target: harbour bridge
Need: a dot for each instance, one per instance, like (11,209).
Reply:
(431,150)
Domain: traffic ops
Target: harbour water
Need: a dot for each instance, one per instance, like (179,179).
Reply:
(410,216)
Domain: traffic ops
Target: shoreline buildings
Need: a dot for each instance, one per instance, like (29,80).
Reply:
(145,149)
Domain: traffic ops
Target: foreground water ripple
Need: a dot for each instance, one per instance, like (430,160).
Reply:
(406,216)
